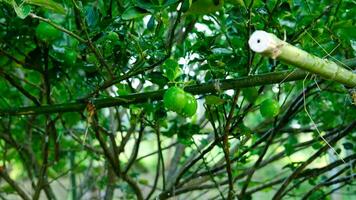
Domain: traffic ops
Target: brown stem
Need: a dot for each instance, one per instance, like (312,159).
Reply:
(13,184)
(226,146)
(280,192)
(136,149)
(114,162)
(248,81)
(18,86)
(80,39)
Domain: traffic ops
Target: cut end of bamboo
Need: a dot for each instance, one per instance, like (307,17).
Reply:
(271,46)
(261,42)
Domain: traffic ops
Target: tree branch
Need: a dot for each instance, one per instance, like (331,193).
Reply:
(280,192)
(14,185)
(243,82)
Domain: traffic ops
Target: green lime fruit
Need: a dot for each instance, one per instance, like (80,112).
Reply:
(47,33)
(269,108)
(174,99)
(250,94)
(190,107)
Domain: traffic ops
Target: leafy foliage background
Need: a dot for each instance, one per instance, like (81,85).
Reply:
(94,126)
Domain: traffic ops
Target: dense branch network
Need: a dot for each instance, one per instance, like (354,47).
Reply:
(222,159)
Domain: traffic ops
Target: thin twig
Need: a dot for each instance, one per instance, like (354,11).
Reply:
(14,185)
(80,39)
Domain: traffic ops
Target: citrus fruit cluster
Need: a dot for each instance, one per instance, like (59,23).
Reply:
(179,101)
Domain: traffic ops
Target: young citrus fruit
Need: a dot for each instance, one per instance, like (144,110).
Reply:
(174,99)
(269,108)
(191,106)
(47,33)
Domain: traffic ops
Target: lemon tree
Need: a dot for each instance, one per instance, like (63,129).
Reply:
(177,99)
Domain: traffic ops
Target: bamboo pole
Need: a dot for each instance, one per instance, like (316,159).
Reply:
(269,45)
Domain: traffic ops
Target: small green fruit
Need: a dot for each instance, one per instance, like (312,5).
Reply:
(191,106)
(269,108)
(174,99)
(47,33)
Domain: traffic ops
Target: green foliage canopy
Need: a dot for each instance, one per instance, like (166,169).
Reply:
(82,83)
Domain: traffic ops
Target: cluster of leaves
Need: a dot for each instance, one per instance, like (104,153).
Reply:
(64,55)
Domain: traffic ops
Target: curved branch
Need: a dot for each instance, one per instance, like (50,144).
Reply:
(18,86)
(80,39)
(328,183)
(280,192)
(248,81)
(14,185)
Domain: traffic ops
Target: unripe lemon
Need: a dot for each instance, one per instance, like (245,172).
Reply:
(47,33)
(269,108)
(190,107)
(175,99)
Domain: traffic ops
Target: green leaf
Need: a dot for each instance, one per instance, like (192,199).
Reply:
(170,2)
(188,130)
(185,141)
(6,1)
(152,6)
(123,89)
(244,130)
(4,60)
(289,146)
(289,149)
(171,70)
(186,5)
(213,100)
(157,78)
(316,195)
(133,13)
(250,94)
(151,23)
(21,11)
(348,145)
(92,15)
(49,4)
(345,29)
(171,131)
(7,189)
(316,145)
(143,181)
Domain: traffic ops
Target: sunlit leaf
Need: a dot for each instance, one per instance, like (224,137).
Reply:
(213,100)
(133,13)
(48,4)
